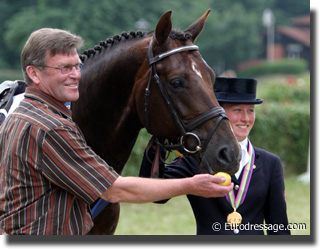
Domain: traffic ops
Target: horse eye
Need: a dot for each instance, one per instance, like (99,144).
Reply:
(176,83)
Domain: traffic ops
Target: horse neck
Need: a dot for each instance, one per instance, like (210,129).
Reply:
(106,108)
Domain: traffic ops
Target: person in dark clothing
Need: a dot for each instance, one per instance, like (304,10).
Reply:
(257,202)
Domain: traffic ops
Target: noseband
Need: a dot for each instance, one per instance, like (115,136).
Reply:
(184,128)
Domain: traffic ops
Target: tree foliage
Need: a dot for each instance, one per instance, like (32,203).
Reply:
(232,32)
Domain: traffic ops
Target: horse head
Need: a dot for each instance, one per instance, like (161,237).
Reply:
(189,108)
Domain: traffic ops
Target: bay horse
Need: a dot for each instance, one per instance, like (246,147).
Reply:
(125,88)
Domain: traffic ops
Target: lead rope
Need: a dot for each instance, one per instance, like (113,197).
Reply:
(157,146)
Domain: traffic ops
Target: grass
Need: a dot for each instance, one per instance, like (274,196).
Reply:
(173,218)
(298,204)
(176,216)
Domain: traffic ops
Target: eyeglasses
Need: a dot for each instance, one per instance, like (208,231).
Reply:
(66,69)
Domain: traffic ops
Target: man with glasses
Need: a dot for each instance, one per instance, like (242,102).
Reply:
(48,174)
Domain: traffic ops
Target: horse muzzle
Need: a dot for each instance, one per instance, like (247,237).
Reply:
(223,158)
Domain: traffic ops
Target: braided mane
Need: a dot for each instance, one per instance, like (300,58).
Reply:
(109,42)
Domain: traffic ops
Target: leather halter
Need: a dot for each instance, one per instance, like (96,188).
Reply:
(184,128)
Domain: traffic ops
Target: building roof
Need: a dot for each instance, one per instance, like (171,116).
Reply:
(302,20)
(301,35)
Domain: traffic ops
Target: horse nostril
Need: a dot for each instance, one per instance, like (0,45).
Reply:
(224,156)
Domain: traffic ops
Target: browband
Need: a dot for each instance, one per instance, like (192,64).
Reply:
(169,53)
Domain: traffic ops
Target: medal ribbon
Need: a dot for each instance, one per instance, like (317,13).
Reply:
(245,181)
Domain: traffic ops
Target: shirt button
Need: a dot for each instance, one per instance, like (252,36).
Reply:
(236,187)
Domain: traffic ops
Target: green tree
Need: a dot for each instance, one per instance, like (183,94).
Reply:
(7,10)
(232,32)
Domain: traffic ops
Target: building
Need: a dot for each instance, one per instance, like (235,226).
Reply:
(293,41)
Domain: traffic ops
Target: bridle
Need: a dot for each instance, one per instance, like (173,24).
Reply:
(184,128)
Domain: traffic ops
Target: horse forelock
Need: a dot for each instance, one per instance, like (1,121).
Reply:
(179,35)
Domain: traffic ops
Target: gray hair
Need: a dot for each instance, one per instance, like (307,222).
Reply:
(45,42)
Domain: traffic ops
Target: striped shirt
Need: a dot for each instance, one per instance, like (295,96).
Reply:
(48,174)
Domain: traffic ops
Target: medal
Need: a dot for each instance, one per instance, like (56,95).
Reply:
(234,218)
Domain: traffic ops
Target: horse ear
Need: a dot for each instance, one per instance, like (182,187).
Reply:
(163,28)
(195,29)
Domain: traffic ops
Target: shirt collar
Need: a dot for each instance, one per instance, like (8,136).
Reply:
(244,143)
(36,94)
(244,156)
